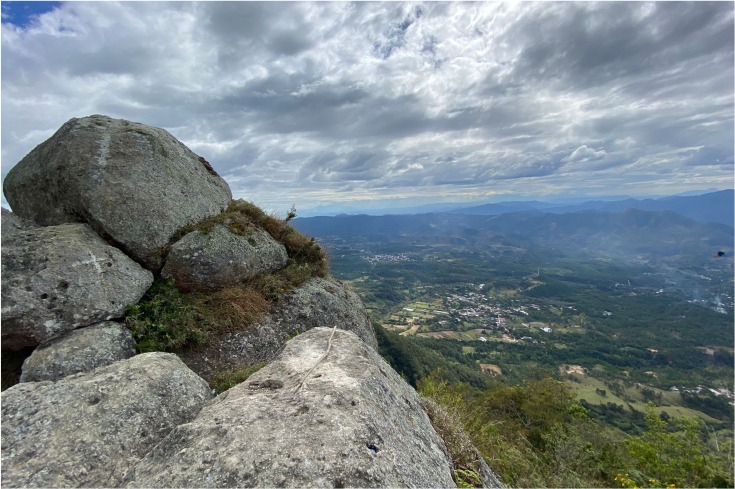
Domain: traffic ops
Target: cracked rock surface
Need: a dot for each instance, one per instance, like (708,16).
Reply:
(353,423)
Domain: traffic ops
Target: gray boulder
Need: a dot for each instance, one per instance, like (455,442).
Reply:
(12,223)
(132,183)
(317,303)
(353,423)
(82,350)
(88,430)
(221,258)
(59,278)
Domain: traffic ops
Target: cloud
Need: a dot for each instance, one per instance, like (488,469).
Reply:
(584,154)
(327,101)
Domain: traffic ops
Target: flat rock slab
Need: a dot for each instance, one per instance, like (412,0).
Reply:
(89,430)
(59,278)
(317,303)
(81,350)
(133,183)
(354,423)
(222,258)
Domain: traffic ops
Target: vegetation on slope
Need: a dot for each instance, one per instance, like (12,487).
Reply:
(167,319)
(537,435)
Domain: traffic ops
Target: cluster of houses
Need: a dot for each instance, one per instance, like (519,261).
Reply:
(394,258)
(699,389)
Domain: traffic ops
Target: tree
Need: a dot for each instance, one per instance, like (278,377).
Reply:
(672,452)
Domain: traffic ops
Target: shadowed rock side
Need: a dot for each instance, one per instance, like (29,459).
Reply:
(59,278)
(317,303)
(354,423)
(222,258)
(12,223)
(82,350)
(133,183)
(88,430)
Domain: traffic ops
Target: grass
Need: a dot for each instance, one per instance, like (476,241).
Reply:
(587,389)
(168,318)
(226,380)
(464,455)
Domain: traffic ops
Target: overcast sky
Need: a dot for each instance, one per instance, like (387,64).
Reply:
(335,103)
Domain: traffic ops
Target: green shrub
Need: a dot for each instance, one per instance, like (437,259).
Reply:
(167,319)
(164,319)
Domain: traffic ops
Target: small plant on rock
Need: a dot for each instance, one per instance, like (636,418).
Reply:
(227,379)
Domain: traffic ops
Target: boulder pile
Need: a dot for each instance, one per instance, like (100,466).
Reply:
(101,211)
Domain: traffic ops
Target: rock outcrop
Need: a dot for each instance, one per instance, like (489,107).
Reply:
(317,303)
(132,183)
(89,430)
(82,350)
(94,202)
(222,258)
(59,278)
(352,421)
(12,223)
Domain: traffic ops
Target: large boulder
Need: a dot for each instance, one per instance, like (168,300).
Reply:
(88,430)
(59,278)
(352,421)
(319,302)
(221,257)
(132,183)
(82,350)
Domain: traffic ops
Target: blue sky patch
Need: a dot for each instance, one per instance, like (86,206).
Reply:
(21,14)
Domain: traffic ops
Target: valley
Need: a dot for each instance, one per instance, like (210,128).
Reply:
(625,314)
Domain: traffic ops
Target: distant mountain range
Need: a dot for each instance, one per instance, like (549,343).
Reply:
(692,226)
(710,207)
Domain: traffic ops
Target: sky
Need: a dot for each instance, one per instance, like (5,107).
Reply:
(346,106)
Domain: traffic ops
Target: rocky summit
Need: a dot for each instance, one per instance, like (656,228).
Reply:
(132,183)
(133,285)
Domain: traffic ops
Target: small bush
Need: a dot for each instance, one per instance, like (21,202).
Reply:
(225,380)
(164,319)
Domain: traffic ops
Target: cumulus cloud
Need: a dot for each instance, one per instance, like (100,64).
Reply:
(312,102)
